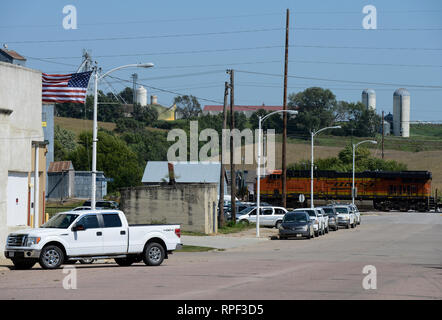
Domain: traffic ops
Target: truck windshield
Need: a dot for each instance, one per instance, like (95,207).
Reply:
(341,210)
(60,221)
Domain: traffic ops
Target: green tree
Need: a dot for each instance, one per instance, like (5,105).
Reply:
(146,114)
(64,142)
(114,158)
(127,95)
(128,124)
(346,155)
(147,145)
(315,109)
(187,106)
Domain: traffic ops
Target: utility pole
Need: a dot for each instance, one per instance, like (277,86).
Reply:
(221,187)
(232,165)
(284,132)
(383,133)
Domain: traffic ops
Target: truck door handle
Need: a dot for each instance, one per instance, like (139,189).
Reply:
(99,233)
(123,232)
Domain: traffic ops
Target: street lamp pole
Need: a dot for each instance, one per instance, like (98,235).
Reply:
(313,133)
(258,184)
(95,124)
(353,191)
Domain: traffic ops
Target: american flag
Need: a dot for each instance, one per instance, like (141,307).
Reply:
(65,87)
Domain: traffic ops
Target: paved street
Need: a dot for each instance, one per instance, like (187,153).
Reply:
(405,249)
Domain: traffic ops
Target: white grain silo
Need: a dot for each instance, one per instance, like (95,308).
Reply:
(141,96)
(369,98)
(401,113)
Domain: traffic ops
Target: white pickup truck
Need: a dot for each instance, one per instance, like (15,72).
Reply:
(91,234)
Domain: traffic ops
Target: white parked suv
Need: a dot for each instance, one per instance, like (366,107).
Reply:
(317,220)
(92,234)
(269,216)
(346,216)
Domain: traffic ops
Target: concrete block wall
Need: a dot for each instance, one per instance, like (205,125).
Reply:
(193,206)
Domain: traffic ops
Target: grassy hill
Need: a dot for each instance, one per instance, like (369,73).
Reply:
(79,125)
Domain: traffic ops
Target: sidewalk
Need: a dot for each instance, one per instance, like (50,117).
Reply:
(229,241)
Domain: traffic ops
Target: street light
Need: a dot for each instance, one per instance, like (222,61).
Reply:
(313,133)
(258,199)
(95,125)
(353,180)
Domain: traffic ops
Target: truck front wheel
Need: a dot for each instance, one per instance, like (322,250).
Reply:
(51,257)
(153,254)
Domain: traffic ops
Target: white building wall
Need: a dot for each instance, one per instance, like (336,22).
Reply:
(20,124)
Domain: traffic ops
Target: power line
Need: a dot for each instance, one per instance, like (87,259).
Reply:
(434,28)
(309,85)
(182,35)
(201,34)
(237,49)
(179,19)
(150,21)
(343,81)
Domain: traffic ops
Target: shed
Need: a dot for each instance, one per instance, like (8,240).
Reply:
(61,180)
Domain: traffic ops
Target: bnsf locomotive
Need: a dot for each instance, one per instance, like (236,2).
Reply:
(403,190)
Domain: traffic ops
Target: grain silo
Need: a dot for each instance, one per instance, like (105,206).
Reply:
(401,113)
(141,96)
(369,98)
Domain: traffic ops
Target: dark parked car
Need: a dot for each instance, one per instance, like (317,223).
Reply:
(296,224)
(332,217)
(240,206)
(102,204)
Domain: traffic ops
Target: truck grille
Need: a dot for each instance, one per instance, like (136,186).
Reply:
(17,240)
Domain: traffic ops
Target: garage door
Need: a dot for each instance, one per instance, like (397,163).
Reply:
(17,214)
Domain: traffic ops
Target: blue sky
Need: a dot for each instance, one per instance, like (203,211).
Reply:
(192,43)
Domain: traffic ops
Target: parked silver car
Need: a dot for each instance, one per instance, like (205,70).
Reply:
(296,224)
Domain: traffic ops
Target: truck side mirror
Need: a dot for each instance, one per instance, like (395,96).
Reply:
(79,227)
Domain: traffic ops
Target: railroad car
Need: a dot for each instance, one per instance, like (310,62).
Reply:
(402,190)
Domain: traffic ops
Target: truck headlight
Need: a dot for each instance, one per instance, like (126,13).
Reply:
(32,240)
